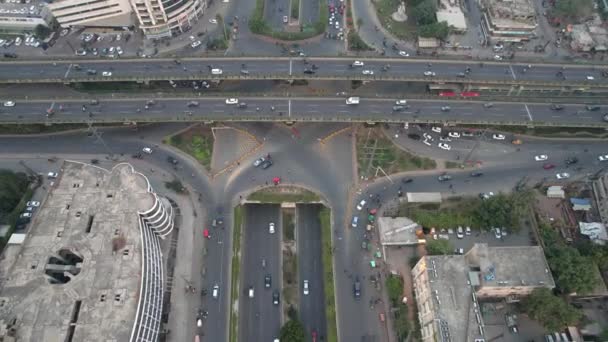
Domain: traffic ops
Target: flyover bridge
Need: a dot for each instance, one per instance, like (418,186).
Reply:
(492,74)
(112,110)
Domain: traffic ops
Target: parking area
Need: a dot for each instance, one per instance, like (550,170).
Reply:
(336,25)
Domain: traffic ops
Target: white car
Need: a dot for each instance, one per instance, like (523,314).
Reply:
(460,232)
(24,215)
(216,291)
(427,136)
(232,101)
(590,78)
(106,74)
(497,233)
(119,51)
(403,54)
(251,292)
(358,63)
(444,146)
(467,231)
(368,72)
(147,150)
(33,204)
(305,288)
(52,175)
(271,228)
(361,205)
(213,21)
(258,161)
(454,135)
(401,102)
(541,157)
(603,158)
(436,129)
(429,73)
(196,44)
(285,19)
(498,137)
(563,175)
(9,104)
(216,71)
(498,58)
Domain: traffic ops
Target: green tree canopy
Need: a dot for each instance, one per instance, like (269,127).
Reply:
(292,331)
(572,271)
(435,30)
(573,8)
(495,211)
(424,13)
(439,247)
(549,310)
(394,287)
(41,31)
(12,186)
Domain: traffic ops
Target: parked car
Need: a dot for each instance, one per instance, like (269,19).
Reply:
(276,298)
(306,288)
(541,157)
(33,204)
(361,205)
(563,175)
(271,228)
(460,232)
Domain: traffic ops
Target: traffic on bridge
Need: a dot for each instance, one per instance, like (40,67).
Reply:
(584,76)
(300,109)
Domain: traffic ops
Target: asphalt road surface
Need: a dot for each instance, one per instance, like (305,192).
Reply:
(166,69)
(259,318)
(310,267)
(296,109)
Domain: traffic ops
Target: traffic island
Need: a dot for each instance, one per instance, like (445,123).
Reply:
(328,275)
(234,274)
(258,24)
(284,194)
(378,155)
(197,141)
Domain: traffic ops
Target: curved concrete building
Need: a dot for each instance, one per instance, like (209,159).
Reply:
(165,18)
(90,265)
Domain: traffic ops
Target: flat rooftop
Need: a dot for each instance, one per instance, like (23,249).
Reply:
(77,274)
(511,265)
(397,231)
(14,8)
(452,302)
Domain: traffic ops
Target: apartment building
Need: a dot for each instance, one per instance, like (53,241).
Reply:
(92,13)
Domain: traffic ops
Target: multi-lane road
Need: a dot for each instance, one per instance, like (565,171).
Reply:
(299,109)
(586,76)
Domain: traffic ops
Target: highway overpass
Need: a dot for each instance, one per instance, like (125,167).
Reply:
(110,110)
(567,76)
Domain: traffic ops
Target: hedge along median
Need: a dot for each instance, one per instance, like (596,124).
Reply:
(234,273)
(328,275)
(258,25)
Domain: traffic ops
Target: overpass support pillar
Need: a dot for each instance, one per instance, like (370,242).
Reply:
(519,90)
(511,90)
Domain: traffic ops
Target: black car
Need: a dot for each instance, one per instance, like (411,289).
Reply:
(172,160)
(571,160)
(476,174)
(91,72)
(399,108)
(407,180)
(557,107)
(267,281)
(309,71)
(592,108)
(276,299)
(242,105)
(357,288)
(10,55)
(266,164)
(414,136)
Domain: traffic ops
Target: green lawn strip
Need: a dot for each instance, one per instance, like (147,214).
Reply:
(452,165)
(258,25)
(41,128)
(271,196)
(457,212)
(198,146)
(236,263)
(290,278)
(289,226)
(328,275)
(295,9)
(549,132)
(355,43)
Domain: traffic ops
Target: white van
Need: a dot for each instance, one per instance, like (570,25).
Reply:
(217,71)
(352,100)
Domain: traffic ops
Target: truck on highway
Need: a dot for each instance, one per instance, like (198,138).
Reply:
(354,100)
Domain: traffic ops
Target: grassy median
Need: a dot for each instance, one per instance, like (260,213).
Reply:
(234,279)
(328,275)
(283,195)
(197,142)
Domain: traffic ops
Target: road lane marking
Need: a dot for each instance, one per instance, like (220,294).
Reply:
(585,117)
(512,72)
(528,111)
(313,111)
(290,66)
(343,111)
(289,104)
(555,116)
(68,71)
(218,111)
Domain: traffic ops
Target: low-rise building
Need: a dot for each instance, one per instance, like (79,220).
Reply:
(508,20)
(164,18)
(590,36)
(90,267)
(448,288)
(92,13)
(18,18)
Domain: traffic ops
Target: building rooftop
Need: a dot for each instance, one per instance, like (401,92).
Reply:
(510,8)
(510,265)
(76,275)
(14,8)
(398,231)
(453,297)
(452,14)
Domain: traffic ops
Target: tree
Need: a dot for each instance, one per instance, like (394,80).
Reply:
(42,31)
(292,331)
(424,13)
(549,310)
(598,253)
(572,271)
(176,186)
(439,247)
(435,30)
(12,187)
(495,211)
